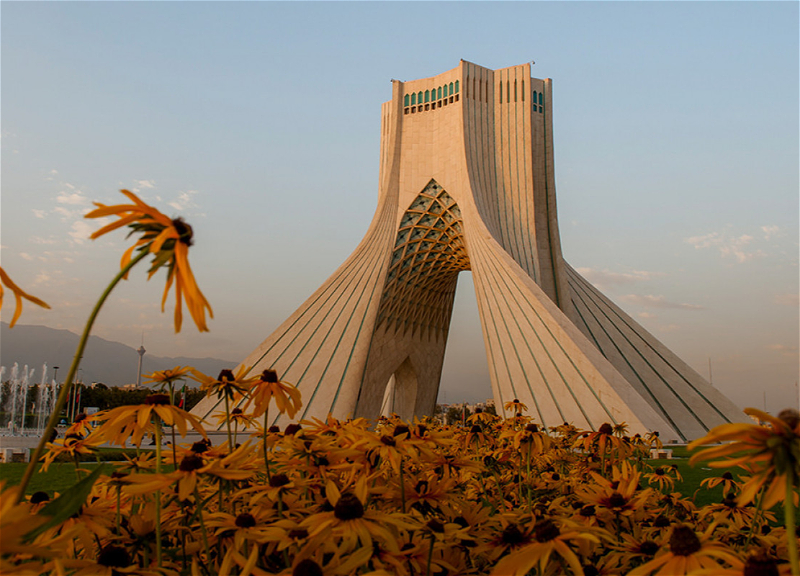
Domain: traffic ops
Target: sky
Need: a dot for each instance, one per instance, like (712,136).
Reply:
(676,153)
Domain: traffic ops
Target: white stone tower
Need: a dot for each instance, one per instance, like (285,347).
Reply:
(467,182)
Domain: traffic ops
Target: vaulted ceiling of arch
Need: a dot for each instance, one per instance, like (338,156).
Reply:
(428,254)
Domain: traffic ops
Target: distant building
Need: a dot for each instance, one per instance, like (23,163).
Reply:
(467,182)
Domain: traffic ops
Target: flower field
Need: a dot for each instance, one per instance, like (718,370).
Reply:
(354,497)
(494,496)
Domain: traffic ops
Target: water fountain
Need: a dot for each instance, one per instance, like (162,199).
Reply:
(17,433)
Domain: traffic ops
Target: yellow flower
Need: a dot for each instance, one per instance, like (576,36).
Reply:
(19,294)
(227,384)
(169,376)
(168,240)
(771,452)
(72,445)
(134,422)
(268,386)
(687,554)
(548,538)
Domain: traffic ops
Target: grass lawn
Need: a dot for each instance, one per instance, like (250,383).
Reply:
(59,477)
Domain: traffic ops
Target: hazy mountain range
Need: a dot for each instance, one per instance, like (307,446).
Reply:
(111,363)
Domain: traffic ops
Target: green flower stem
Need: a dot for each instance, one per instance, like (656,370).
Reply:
(63,395)
(158,492)
(266,454)
(791,533)
(228,423)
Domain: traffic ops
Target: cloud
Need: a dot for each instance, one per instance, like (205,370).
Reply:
(25,256)
(784,350)
(184,200)
(646,315)
(770,231)
(38,213)
(81,231)
(72,199)
(604,278)
(43,241)
(42,278)
(145,183)
(727,245)
(652,301)
(669,328)
(788,299)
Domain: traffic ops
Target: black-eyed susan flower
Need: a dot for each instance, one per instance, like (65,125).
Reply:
(547,538)
(19,294)
(268,386)
(688,553)
(771,452)
(71,446)
(133,422)
(168,239)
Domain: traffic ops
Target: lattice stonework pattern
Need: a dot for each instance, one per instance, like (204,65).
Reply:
(428,254)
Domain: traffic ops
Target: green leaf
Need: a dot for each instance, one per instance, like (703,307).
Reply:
(65,505)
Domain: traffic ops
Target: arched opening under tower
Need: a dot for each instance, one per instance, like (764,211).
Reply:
(400,396)
(465,373)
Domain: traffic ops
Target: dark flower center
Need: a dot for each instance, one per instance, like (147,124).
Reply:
(114,557)
(684,542)
(226,375)
(421,429)
(298,533)
(292,429)
(40,496)
(512,535)
(616,500)
(606,429)
(661,521)
(421,487)
(401,429)
(236,411)
(200,447)
(729,500)
(728,476)
(245,520)
(461,521)
(184,231)
(190,463)
(80,417)
(269,376)
(322,461)
(659,471)
(307,567)
(476,429)
(435,525)
(278,480)
(157,400)
(532,428)
(648,548)
(349,507)
(587,511)
(274,429)
(388,440)
(790,417)
(760,565)
(546,530)
(556,476)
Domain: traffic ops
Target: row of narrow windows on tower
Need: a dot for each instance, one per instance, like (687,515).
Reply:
(538,97)
(474,88)
(430,99)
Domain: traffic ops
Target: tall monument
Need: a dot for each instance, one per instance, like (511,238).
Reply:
(467,182)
